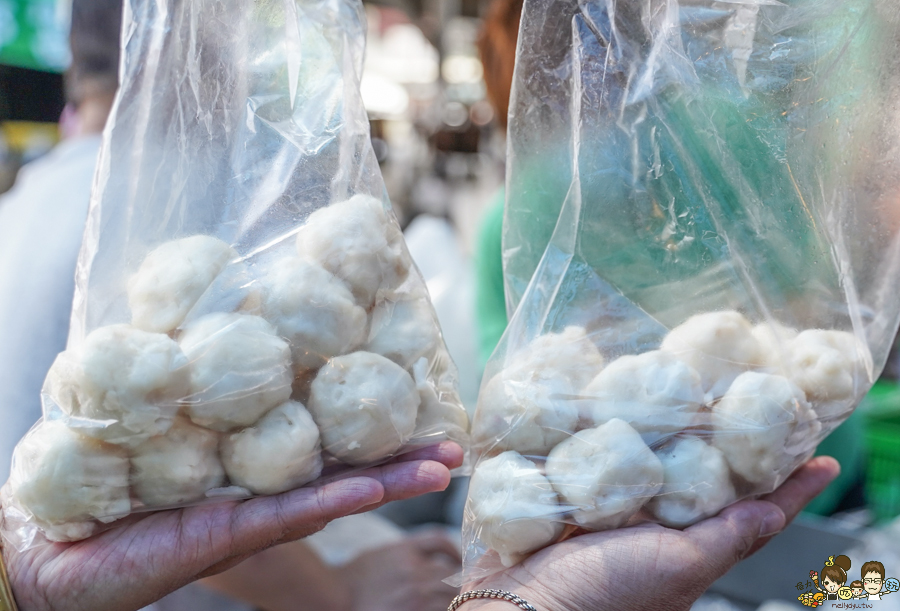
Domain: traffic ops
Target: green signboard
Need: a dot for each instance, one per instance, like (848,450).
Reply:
(33,34)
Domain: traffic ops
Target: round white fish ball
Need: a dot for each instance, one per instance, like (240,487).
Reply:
(66,480)
(365,406)
(314,310)
(697,483)
(240,369)
(278,453)
(513,507)
(359,243)
(172,278)
(570,352)
(178,467)
(774,340)
(440,408)
(526,412)
(123,385)
(607,473)
(533,404)
(718,345)
(828,367)
(654,392)
(235,289)
(763,426)
(404,330)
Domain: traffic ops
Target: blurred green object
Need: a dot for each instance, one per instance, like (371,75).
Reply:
(33,35)
(846,444)
(490,299)
(881,409)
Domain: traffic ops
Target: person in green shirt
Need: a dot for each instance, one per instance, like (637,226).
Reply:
(490,299)
(497,47)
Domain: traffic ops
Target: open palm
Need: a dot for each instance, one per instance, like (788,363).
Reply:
(650,567)
(146,557)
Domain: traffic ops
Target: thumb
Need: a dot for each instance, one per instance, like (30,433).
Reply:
(726,539)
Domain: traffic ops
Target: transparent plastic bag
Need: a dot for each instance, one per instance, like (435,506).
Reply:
(702,259)
(247,318)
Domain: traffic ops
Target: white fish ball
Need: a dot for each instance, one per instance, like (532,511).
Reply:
(828,367)
(178,467)
(513,507)
(278,453)
(607,473)
(718,345)
(404,330)
(697,483)
(528,413)
(774,340)
(359,243)
(533,404)
(365,406)
(654,392)
(240,369)
(570,351)
(764,427)
(66,480)
(314,310)
(440,407)
(172,278)
(123,385)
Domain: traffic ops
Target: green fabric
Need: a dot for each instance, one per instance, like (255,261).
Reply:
(706,188)
(846,445)
(882,427)
(849,446)
(490,300)
(31,35)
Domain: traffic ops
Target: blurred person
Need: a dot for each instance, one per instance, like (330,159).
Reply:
(41,225)
(497,47)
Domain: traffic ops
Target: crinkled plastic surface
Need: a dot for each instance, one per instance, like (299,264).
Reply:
(239,242)
(701,240)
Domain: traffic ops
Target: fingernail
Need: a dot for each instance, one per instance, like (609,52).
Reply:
(772,524)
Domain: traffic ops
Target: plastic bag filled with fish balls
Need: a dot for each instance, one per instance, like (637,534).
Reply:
(247,318)
(229,383)
(187,403)
(699,264)
(721,410)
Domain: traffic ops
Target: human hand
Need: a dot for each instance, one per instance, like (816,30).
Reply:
(405,576)
(650,567)
(147,556)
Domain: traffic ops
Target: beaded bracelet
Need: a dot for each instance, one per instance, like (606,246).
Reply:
(495,594)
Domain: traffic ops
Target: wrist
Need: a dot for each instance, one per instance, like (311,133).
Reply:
(497,599)
(487,605)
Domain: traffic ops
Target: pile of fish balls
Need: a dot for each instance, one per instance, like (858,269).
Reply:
(721,410)
(196,397)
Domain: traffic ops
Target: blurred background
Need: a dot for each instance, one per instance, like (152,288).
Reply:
(440,140)
(433,129)
(435,133)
